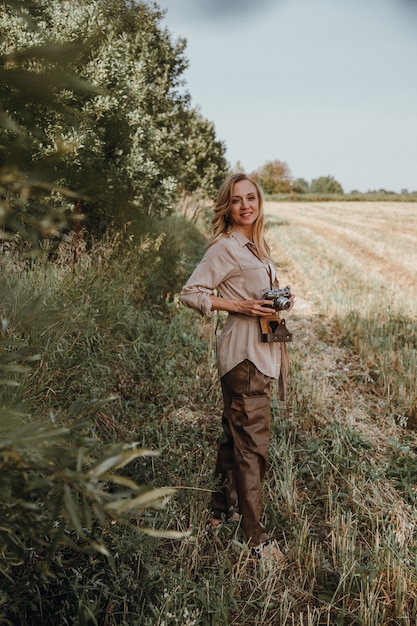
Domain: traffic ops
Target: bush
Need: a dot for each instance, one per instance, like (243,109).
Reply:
(88,375)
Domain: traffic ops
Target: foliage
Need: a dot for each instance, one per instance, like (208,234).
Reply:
(34,197)
(137,143)
(60,487)
(64,491)
(101,300)
(61,491)
(326,185)
(75,477)
(300,185)
(274,177)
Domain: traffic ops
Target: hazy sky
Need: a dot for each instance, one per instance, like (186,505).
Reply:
(329,86)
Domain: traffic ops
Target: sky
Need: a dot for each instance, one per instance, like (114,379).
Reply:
(328,86)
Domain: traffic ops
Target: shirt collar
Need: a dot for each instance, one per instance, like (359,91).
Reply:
(240,238)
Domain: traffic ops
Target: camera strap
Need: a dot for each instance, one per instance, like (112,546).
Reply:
(252,248)
(273,328)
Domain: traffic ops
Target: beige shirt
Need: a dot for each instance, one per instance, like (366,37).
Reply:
(231,268)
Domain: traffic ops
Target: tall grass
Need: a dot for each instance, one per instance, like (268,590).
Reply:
(340,491)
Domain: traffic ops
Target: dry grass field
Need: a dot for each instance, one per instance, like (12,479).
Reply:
(363,254)
(341,491)
(354,264)
(346,475)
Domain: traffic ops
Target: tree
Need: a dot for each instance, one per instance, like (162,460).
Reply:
(274,177)
(300,185)
(130,147)
(326,184)
(202,157)
(33,196)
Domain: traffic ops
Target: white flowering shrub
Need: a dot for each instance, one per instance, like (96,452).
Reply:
(137,143)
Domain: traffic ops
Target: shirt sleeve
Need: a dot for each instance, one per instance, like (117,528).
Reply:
(215,266)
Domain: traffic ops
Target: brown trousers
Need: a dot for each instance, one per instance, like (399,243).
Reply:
(243,449)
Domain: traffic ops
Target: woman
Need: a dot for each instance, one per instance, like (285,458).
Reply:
(238,265)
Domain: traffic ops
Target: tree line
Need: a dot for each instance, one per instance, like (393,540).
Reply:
(275,178)
(96,121)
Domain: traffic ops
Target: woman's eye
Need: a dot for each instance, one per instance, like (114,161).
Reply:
(235,201)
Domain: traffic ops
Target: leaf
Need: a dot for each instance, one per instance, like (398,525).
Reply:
(150,499)
(120,480)
(35,431)
(134,454)
(119,461)
(72,511)
(167,534)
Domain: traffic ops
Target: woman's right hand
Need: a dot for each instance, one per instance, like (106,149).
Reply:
(254,308)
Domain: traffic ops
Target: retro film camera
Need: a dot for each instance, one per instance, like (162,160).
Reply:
(273,328)
(280,298)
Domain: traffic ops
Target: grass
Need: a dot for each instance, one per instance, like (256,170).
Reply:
(341,488)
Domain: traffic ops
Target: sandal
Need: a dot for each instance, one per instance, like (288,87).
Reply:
(266,551)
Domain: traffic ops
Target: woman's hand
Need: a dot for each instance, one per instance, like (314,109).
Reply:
(254,308)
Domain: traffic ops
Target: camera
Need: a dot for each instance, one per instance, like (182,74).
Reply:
(279,297)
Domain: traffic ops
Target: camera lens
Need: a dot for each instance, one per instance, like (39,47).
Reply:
(282,304)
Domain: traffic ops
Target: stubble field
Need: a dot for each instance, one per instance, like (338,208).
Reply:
(349,255)
(352,267)
(341,492)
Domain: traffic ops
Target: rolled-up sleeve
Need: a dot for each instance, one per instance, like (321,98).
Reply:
(212,270)
(196,297)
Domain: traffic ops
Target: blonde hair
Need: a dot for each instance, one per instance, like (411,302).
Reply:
(221,224)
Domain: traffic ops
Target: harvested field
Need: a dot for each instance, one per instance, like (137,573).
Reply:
(357,249)
(342,259)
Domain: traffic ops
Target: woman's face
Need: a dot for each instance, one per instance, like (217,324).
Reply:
(244,206)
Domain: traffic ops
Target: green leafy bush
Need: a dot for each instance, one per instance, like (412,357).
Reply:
(132,148)
(87,377)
